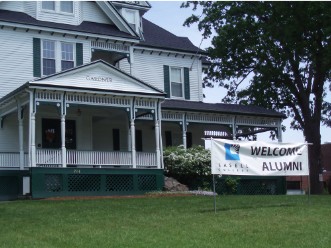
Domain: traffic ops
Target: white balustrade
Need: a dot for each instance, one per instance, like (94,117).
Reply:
(98,158)
(53,158)
(48,157)
(12,160)
(146,159)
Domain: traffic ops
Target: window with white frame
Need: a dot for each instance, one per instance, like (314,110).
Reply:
(176,82)
(48,5)
(131,16)
(67,6)
(57,56)
(48,60)
(58,6)
(67,56)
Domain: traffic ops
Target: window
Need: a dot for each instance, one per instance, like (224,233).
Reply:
(58,6)
(131,17)
(176,82)
(57,56)
(48,57)
(67,54)
(51,134)
(66,6)
(48,5)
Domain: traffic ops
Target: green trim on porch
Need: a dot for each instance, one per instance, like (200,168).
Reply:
(55,182)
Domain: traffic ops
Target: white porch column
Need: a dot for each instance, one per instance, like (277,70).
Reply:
(33,139)
(63,141)
(133,144)
(20,136)
(63,130)
(184,130)
(157,140)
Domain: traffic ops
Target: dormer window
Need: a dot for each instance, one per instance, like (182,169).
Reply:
(48,5)
(132,17)
(58,6)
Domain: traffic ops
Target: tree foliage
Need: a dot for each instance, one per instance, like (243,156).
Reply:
(283,49)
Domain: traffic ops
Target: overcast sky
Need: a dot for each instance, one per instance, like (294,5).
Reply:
(169,15)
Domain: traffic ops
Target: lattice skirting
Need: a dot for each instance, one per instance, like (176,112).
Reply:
(11,184)
(52,182)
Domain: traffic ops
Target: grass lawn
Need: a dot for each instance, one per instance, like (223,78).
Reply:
(185,221)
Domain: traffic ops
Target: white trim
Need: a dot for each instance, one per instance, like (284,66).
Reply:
(181,82)
(64,31)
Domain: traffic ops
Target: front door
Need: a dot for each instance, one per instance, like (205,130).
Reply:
(51,134)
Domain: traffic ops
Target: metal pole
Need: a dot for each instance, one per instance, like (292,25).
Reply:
(214,193)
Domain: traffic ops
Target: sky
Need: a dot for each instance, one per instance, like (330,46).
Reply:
(169,15)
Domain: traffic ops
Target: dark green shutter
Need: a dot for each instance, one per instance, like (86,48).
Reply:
(187,83)
(166,80)
(36,58)
(79,54)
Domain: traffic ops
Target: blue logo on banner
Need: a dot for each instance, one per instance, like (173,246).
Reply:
(231,151)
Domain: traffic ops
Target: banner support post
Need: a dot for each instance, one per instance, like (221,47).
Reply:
(214,192)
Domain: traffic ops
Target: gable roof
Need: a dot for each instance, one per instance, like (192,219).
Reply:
(221,108)
(97,76)
(84,27)
(157,37)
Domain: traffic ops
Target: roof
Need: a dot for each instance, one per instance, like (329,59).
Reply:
(220,108)
(86,27)
(154,36)
(157,37)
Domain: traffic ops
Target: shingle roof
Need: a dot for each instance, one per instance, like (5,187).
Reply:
(158,37)
(86,27)
(220,108)
(154,36)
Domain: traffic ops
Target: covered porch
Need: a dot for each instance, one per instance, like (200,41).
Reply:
(88,117)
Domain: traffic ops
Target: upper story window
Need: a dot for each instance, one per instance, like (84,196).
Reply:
(132,17)
(48,5)
(57,56)
(176,82)
(58,6)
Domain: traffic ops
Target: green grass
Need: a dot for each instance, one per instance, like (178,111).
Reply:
(186,221)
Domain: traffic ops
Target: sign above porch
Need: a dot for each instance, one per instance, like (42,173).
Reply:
(97,76)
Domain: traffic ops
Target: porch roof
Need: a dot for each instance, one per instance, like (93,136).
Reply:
(95,77)
(220,108)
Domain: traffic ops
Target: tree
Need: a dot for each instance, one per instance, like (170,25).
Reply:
(283,49)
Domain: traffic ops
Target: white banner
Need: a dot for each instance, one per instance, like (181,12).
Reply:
(256,158)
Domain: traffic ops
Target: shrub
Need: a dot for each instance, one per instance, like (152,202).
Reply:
(190,167)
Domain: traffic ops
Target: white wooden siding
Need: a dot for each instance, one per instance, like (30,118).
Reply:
(9,133)
(91,12)
(16,49)
(149,68)
(30,8)
(12,6)
(125,66)
(71,19)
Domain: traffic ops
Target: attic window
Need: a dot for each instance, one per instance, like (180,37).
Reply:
(131,16)
(59,7)
(48,5)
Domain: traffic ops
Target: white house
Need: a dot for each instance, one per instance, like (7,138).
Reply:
(91,92)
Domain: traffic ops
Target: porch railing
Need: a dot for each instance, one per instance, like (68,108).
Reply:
(53,158)
(48,157)
(98,158)
(12,160)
